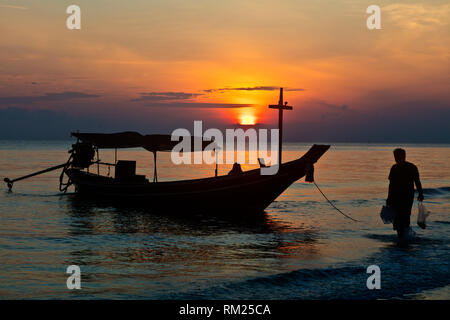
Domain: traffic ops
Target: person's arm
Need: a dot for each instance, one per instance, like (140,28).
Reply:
(389,200)
(418,185)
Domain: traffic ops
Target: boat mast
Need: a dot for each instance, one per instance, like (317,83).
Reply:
(216,171)
(280,106)
(155,174)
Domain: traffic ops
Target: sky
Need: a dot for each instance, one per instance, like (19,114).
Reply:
(154,66)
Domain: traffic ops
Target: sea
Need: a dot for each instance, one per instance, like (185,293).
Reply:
(299,248)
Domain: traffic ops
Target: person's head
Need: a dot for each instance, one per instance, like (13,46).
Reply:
(400,155)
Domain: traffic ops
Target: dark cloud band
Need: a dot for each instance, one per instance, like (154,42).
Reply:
(166,96)
(47,97)
(257,88)
(197,105)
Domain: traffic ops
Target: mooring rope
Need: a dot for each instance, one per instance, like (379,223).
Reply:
(332,204)
(64,186)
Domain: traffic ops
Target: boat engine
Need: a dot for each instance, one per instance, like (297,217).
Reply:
(82,154)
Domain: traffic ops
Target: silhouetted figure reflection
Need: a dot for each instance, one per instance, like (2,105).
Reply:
(402,178)
(236,169)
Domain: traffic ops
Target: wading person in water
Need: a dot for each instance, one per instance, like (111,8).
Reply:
(402,178)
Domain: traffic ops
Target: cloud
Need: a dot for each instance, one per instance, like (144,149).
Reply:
(326,109)
(337,107)
(197,105)
(418,16)
(27,124)
(257,88)
(47,97)
(166,96)
(426,121)
(7,6)
(20,123)
(181,100)
(413,121)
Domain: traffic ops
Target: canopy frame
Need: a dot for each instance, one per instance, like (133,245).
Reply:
(131,139)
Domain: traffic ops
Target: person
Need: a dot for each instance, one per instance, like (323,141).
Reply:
(235,170)
(402,177)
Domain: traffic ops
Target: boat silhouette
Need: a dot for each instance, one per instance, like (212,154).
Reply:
(248,191)
(238,192)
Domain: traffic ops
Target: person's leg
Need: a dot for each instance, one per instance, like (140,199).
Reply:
(408,206)
(398,222)
(400,232)
(404,221)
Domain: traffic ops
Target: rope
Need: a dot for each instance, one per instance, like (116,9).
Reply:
(64,186)
(333,204)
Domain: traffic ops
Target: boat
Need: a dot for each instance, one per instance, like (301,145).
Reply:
(247,192)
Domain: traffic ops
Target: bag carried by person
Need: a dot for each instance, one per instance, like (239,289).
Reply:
(387,214)
(422,215)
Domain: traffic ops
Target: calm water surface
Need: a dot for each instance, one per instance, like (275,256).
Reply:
(300,249)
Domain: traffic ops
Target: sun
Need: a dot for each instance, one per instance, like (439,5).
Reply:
(247,119)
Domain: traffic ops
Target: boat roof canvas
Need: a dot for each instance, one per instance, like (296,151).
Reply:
(132,139)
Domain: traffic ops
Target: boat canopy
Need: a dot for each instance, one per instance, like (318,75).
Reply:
(131,139)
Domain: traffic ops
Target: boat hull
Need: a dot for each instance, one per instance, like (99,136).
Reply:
(248,192)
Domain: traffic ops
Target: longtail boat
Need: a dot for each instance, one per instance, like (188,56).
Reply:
(249,191)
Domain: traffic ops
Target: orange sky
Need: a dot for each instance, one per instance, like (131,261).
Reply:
(127,49)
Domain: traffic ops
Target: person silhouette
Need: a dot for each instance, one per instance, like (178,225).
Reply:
(235,170)
(402,177)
